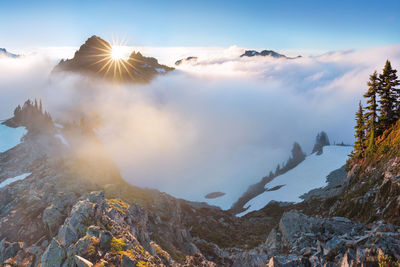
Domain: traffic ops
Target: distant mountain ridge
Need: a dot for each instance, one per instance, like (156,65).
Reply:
(95,57)
(271,53)
(186,60)
(4,52)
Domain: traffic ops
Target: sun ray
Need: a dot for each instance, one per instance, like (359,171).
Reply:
(114,60)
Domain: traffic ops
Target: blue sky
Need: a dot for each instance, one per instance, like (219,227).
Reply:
(310,25)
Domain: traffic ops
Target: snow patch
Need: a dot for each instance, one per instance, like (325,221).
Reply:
(308,175)
(14,179)
(10,137)
(160,70)
(59,126)
(62,139)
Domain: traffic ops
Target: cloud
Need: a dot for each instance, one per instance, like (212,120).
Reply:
(217,125)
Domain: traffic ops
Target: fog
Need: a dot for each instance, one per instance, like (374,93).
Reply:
(218,124)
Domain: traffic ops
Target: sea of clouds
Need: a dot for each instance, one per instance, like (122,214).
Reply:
(218,124)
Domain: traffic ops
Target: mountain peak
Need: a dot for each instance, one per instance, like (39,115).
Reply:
(264,53)
(95,58)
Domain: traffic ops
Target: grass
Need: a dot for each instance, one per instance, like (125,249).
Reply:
(118,245)
(119,205)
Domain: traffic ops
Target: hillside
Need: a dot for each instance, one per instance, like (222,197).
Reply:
(65,205)
(373,188)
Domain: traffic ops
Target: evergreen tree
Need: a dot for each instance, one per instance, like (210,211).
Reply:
(388,96)
(277,170)
(372,110)
(359,144)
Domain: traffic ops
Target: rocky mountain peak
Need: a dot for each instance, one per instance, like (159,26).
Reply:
(265,53)
(94,58)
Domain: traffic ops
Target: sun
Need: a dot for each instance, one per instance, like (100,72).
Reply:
(118,52)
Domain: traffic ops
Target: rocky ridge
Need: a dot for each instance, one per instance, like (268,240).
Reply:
(76,210)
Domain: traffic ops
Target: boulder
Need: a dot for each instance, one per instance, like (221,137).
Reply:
(293,223)
(11,250)
(52,218)
(105,239)
(54,255)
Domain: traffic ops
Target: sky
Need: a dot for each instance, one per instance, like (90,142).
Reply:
(310,25)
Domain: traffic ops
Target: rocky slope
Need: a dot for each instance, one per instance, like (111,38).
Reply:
(74,209)
(373,183)
(94,58)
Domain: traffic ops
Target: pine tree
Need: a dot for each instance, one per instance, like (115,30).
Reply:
(372,110)
(388,96)
(359,144)
(277,170)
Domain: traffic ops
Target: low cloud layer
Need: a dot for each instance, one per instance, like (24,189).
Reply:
(219,124)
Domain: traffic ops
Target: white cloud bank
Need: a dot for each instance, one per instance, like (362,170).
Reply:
(217,125)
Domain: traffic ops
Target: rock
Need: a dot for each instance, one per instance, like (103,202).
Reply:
(348,259)
(273,242)
(294,223)
(52,218)
(127,261)
(93,231)
(37,252)
(83,244)
(334,243)
(54,255)
(81,262)
(105,239)
(198,259)
(11,250)
(273,262)
(67,235)
(137,68)
(341,219)
(96,197)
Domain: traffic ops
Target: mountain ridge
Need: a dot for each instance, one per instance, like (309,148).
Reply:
(264,53)
(5,53)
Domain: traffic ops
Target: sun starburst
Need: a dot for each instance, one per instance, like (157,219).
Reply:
(114,59)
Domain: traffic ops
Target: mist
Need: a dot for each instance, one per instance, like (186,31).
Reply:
(219,124)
